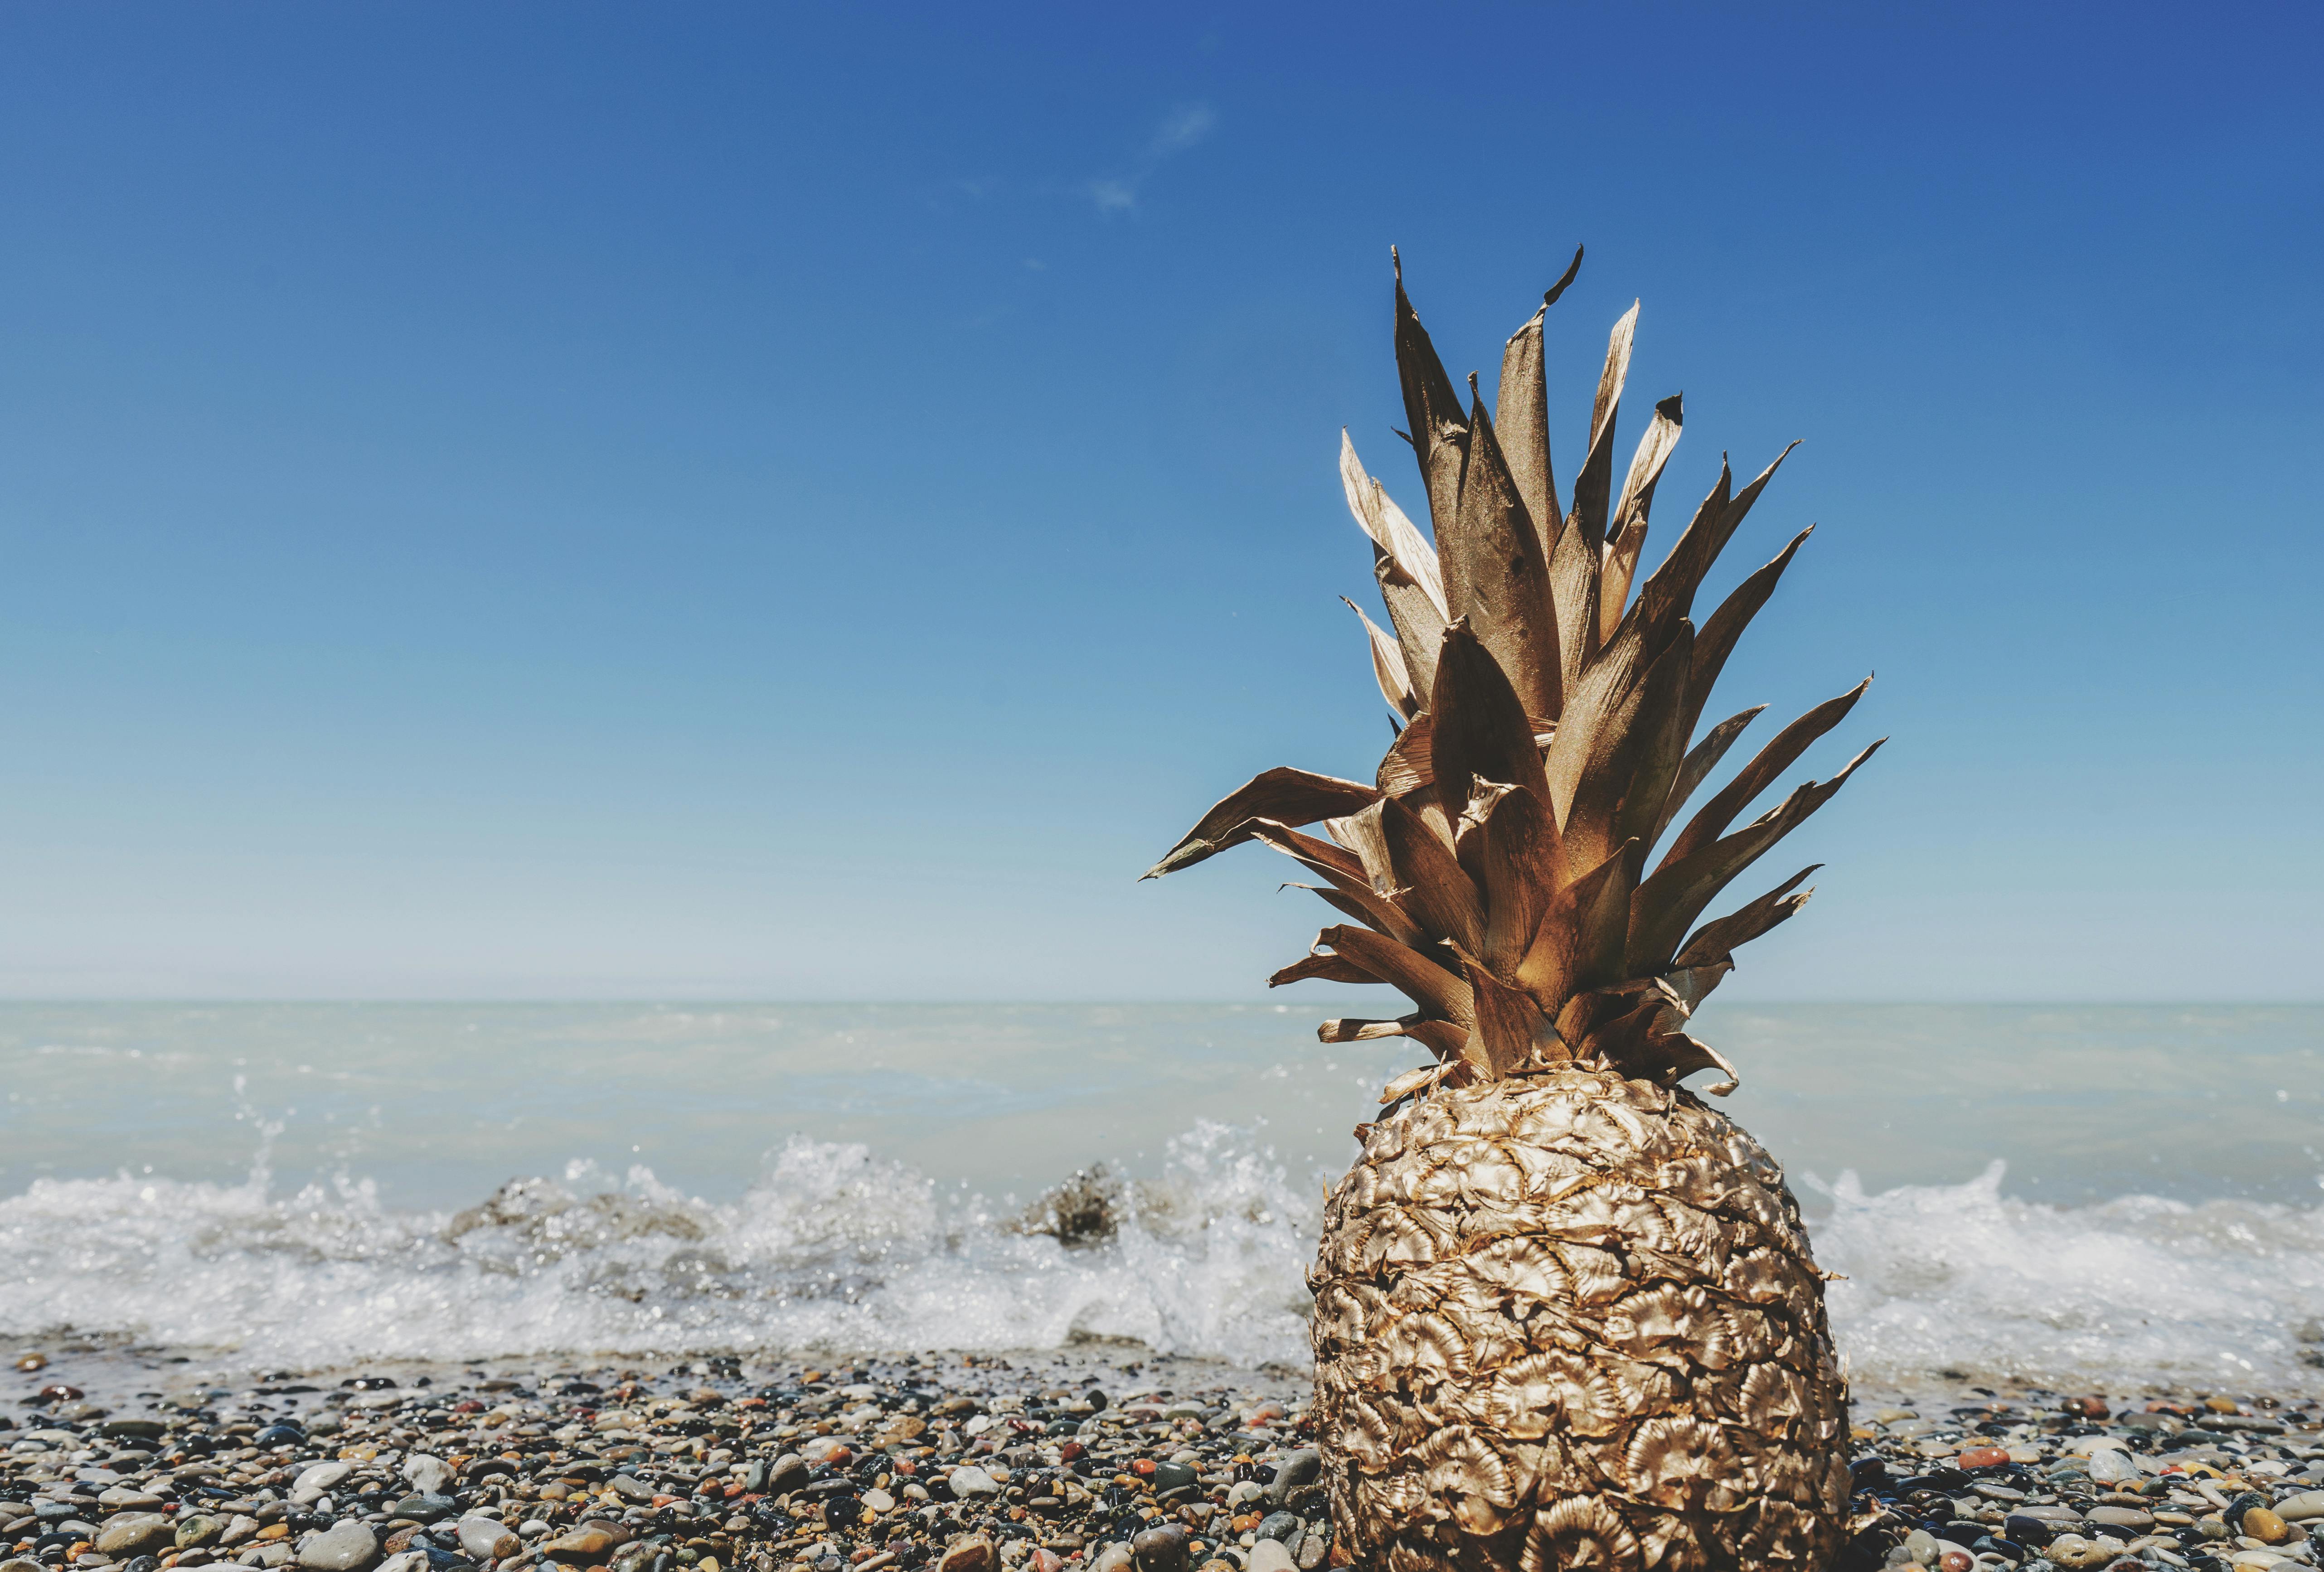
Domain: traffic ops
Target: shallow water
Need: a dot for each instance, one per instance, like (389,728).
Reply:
(307,1184)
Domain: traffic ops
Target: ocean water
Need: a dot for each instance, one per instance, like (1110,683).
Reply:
(2070,1195)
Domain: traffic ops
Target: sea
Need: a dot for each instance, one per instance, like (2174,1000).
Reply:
(2069,1196)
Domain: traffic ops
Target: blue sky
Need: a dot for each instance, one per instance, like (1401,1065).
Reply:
(809,501)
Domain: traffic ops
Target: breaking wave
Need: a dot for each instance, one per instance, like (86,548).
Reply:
(837,1248)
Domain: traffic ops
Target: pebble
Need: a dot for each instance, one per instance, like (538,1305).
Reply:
(487,1538)
(969,1480)
(1082,1463)
(344,1547)
(1270,1556)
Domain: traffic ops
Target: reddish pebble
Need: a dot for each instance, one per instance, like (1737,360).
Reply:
(1071,1450)
(1143,1467)
(905,1467)
(2087,1408)
(1984,1457)
(1047,1562)
(1956,1561)
(471,1406)
(57,1394)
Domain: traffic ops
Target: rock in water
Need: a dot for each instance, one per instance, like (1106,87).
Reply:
(347,1546)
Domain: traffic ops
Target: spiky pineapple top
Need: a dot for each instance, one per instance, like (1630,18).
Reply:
(1496,871)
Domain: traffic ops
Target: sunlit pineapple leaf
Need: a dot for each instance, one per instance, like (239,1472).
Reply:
(1627,531)
(1426,982)
(1431,407)
(1716,641)
(1666,904)
(1717,939)
(1432,885)
(1289,796)
(1703,758)
(1496,578)
(1593,486)
(1761,773)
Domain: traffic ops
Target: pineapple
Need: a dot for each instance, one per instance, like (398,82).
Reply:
(1565,1313)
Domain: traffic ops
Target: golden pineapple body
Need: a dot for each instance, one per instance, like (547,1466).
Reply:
(1571,1321)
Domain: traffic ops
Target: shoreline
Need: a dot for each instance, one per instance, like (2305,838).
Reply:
(969,1463)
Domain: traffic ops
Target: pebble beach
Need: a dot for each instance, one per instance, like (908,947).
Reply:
(1102,1460)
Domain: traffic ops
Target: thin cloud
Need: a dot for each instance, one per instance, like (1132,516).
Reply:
(1181,129)
(1187,125)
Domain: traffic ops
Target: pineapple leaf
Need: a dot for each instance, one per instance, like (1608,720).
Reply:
(1440,429)
(1521,856)
(1433,887)
(1495,576)
(1288,795)
(1761,773)
(1481,731)
(1321,968)
(1347,878)
(1422,981)
(1592,486)
(1716,942)
(1675,895)
(1521,422)
(1629,524)
(1703,758)
(1717,640)
(1387,665)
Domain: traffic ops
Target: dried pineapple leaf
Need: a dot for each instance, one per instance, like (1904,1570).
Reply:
(1639,779)
(1436,990)
(1570,941)
(1666,904)
(1521,419)
(1701,758)
(1481,731)
(1388,527)
(1289,796)
(1670,593)
(1510,1023)
(1442,1038)
(1761,773)
(1347,876)
(1520,855)
(1717,640)
(1324,968)
(1496,577)
(1432,885)
(1717,939)
(1521,425)
(1628,536)
(1592,486)
(1387,665)
(1575,568)
(1431,407)
(1361,835)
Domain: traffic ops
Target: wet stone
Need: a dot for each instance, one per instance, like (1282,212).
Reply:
(346,1547)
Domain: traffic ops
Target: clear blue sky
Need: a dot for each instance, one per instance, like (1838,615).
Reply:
(809,500)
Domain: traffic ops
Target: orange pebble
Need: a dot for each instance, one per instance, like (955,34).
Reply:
(1984,1457)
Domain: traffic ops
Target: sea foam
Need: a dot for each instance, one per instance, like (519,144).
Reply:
(837,1248)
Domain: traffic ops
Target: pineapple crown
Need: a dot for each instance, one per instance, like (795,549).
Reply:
(1496,869)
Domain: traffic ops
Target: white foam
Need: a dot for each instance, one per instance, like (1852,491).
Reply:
(832,1248)
(1962,1277)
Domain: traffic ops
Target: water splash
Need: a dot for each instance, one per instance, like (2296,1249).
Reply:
(832,1247)
(1963,1278)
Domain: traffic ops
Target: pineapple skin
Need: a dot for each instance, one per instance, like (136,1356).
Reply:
(1571,1321)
